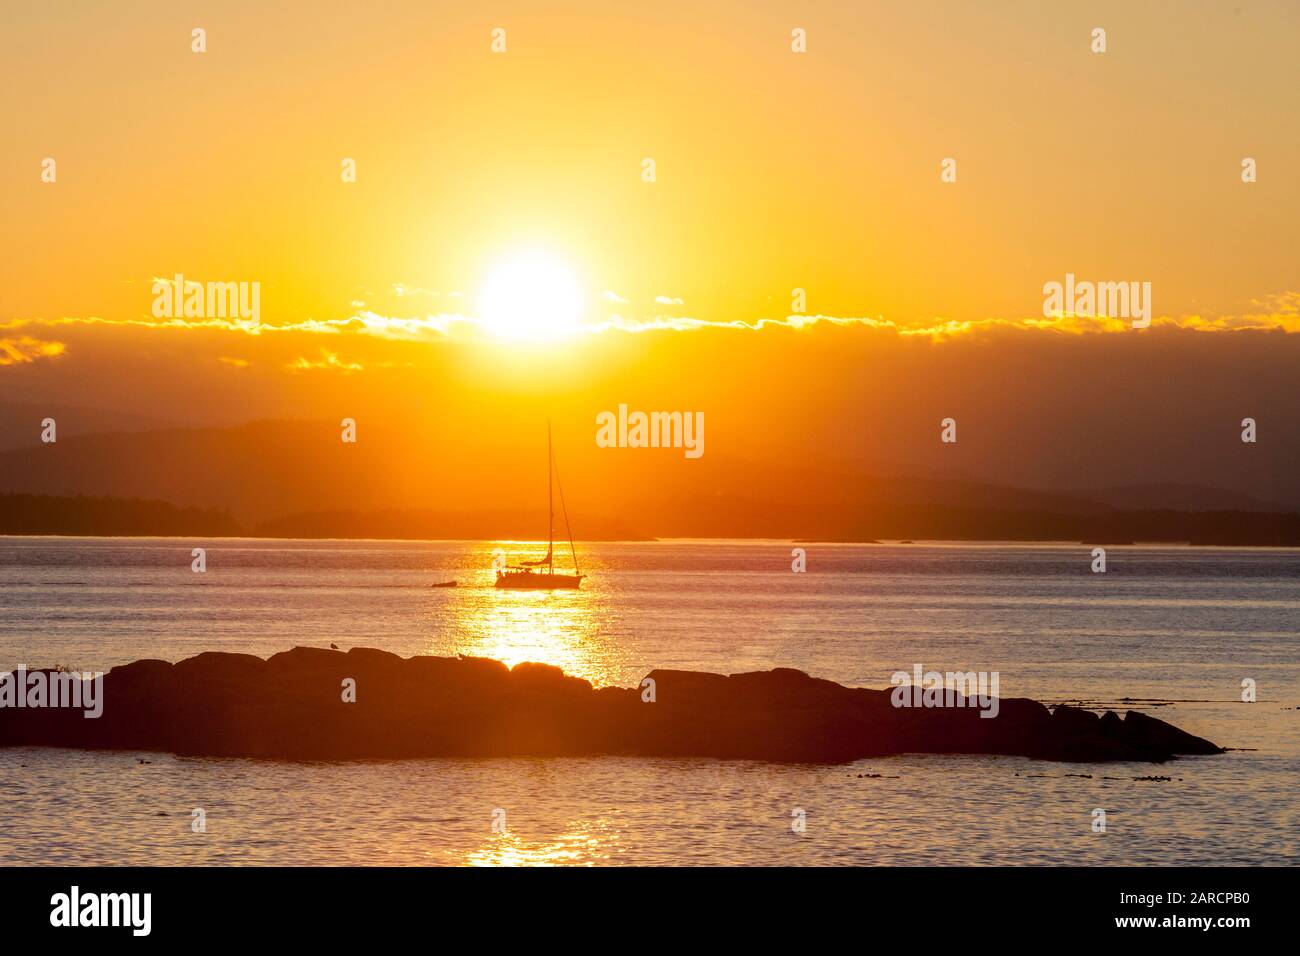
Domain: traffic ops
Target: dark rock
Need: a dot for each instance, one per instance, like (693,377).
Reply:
(1072,720)
(1150,733)
(1110,724)
(216,665)
(371,655)
(301,658)
(291,706)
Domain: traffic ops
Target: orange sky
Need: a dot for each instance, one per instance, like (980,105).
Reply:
(774,171)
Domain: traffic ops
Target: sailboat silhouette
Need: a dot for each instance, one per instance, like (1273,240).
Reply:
(522,577)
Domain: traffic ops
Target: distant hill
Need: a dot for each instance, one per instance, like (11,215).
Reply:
(82,515)
(298,479)
(20,422)
(254,471)
(436,525)
(47,514)
(1221,528)
(1177,497)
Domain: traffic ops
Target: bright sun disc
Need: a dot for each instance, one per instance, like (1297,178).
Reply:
(530,295)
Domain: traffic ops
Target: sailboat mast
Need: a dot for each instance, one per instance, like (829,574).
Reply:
(550,502)
(568,529)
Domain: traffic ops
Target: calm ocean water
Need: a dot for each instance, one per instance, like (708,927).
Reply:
(1176,629)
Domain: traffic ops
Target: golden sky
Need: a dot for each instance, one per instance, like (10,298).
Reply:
(774,171)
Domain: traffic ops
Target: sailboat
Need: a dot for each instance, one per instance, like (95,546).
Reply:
(540,575)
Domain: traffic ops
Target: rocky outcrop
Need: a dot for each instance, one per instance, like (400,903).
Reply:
(292,706)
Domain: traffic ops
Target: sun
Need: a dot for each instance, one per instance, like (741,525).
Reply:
(530,295)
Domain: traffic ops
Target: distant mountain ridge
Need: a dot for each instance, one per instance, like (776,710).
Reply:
(90,516)
(517,525)
(20,422)
(298,479)
(1178,497)
(101,516)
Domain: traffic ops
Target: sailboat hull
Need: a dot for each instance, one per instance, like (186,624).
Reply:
(527,581)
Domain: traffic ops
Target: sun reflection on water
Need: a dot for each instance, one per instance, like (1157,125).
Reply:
(576,847)
(562,627)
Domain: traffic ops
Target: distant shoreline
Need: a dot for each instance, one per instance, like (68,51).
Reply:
(779,542)
(87,516)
